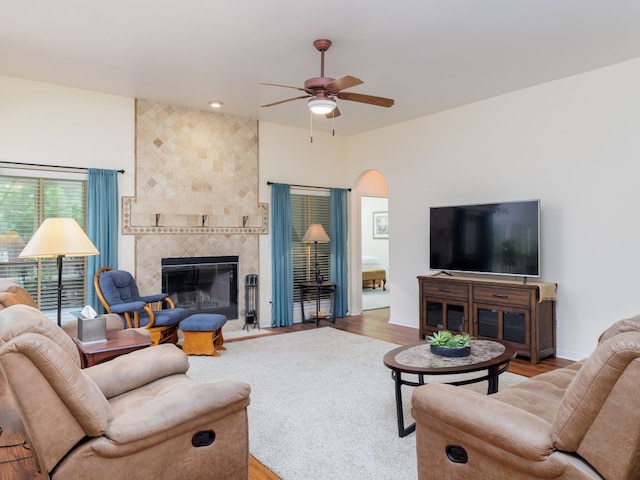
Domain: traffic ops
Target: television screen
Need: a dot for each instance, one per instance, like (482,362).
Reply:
(496,238)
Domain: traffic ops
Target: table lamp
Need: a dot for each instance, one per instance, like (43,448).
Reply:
(315,234)
(59,237)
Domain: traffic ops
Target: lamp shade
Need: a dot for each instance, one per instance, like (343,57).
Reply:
(59,237)
(315,233)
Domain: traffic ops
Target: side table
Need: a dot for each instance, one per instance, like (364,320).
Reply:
(315,290)
(119,342)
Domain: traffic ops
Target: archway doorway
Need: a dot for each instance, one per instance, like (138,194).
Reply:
(375,252)
(374,241)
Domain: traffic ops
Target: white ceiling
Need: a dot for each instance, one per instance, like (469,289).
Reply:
(429,55)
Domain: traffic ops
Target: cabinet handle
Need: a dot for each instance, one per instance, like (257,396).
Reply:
(443,289)
(497,295)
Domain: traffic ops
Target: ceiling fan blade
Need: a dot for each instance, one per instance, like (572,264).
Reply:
(285,101)
(370,99)
(284,86)
(334,113)
(343,83)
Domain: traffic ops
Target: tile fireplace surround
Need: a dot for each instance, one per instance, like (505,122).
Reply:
(196,192)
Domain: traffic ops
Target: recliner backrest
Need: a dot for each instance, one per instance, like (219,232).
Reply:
(626,325)
(598,417)
(20,319)
(118,287)
(59,404)
(13,294)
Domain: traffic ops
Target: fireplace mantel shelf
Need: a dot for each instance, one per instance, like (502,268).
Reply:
(129,229)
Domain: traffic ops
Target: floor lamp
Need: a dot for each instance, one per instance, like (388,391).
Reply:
(315,234)
(59,237)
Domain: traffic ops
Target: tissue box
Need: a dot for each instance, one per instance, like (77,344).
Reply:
(92,329)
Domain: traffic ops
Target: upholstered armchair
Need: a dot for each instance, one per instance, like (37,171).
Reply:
(118,293)
(577,422)
(136,416)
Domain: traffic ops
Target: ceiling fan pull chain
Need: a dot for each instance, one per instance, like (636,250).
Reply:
(333,124)
(311,117)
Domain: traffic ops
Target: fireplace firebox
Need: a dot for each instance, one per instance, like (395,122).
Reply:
(203,284)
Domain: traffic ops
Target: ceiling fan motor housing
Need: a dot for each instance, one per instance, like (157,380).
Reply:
(313,85)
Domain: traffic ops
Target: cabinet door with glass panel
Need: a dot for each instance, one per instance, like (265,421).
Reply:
(444,306)
(511,324)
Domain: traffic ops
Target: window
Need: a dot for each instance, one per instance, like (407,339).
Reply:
(24,204)
(307,208)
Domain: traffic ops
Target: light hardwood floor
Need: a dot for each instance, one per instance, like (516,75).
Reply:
(17,463)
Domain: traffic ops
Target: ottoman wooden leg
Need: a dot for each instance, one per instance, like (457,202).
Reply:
(218,340)
(199,343)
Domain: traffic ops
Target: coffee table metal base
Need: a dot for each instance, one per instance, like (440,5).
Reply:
(491,377)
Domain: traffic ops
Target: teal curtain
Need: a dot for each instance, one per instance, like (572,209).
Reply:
(339,248)
(281,256)
(102,225)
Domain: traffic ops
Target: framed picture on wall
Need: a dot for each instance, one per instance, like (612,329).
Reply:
(380,224)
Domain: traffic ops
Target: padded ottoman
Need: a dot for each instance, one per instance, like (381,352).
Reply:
(203,334)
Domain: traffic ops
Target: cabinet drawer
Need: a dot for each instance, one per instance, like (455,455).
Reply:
(501,295)
(446,289)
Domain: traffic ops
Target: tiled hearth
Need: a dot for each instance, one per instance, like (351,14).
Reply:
(196,191)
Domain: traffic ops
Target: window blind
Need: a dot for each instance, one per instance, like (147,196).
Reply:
(308,208)
(24,204)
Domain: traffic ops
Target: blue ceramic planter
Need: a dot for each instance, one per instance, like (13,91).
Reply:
(450,352)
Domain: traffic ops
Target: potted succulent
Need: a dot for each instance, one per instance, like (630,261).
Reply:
(447,344)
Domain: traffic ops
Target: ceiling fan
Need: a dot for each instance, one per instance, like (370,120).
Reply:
(322,91)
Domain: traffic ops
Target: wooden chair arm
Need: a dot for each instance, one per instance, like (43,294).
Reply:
(152,317)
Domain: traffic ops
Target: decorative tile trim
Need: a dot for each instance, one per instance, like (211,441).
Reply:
(129,229)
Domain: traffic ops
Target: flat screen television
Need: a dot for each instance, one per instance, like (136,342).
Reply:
(492,238)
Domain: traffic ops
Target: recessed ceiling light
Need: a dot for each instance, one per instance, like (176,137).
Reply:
(215,104)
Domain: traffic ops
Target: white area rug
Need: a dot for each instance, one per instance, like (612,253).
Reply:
(322,404)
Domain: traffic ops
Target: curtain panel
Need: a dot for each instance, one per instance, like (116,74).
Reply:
(102,225)
(339,248)
(281,255)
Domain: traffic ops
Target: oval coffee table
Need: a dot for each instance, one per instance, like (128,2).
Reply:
(417,359)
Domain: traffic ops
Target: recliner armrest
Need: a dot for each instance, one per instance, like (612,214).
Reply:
(135,369)
(169,412)
(127,307)
(498,423)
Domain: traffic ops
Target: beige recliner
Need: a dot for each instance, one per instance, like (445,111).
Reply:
(136,416)
(577,422)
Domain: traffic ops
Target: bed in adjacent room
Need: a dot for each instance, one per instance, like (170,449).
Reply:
(373,273)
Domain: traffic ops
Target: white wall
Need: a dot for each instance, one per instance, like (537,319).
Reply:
(572,143)
(286,155)
(53,125)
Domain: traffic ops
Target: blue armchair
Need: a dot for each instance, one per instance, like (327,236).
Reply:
(118,293)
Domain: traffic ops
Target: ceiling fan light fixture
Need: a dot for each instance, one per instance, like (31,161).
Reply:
(215,104)
(321,106)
